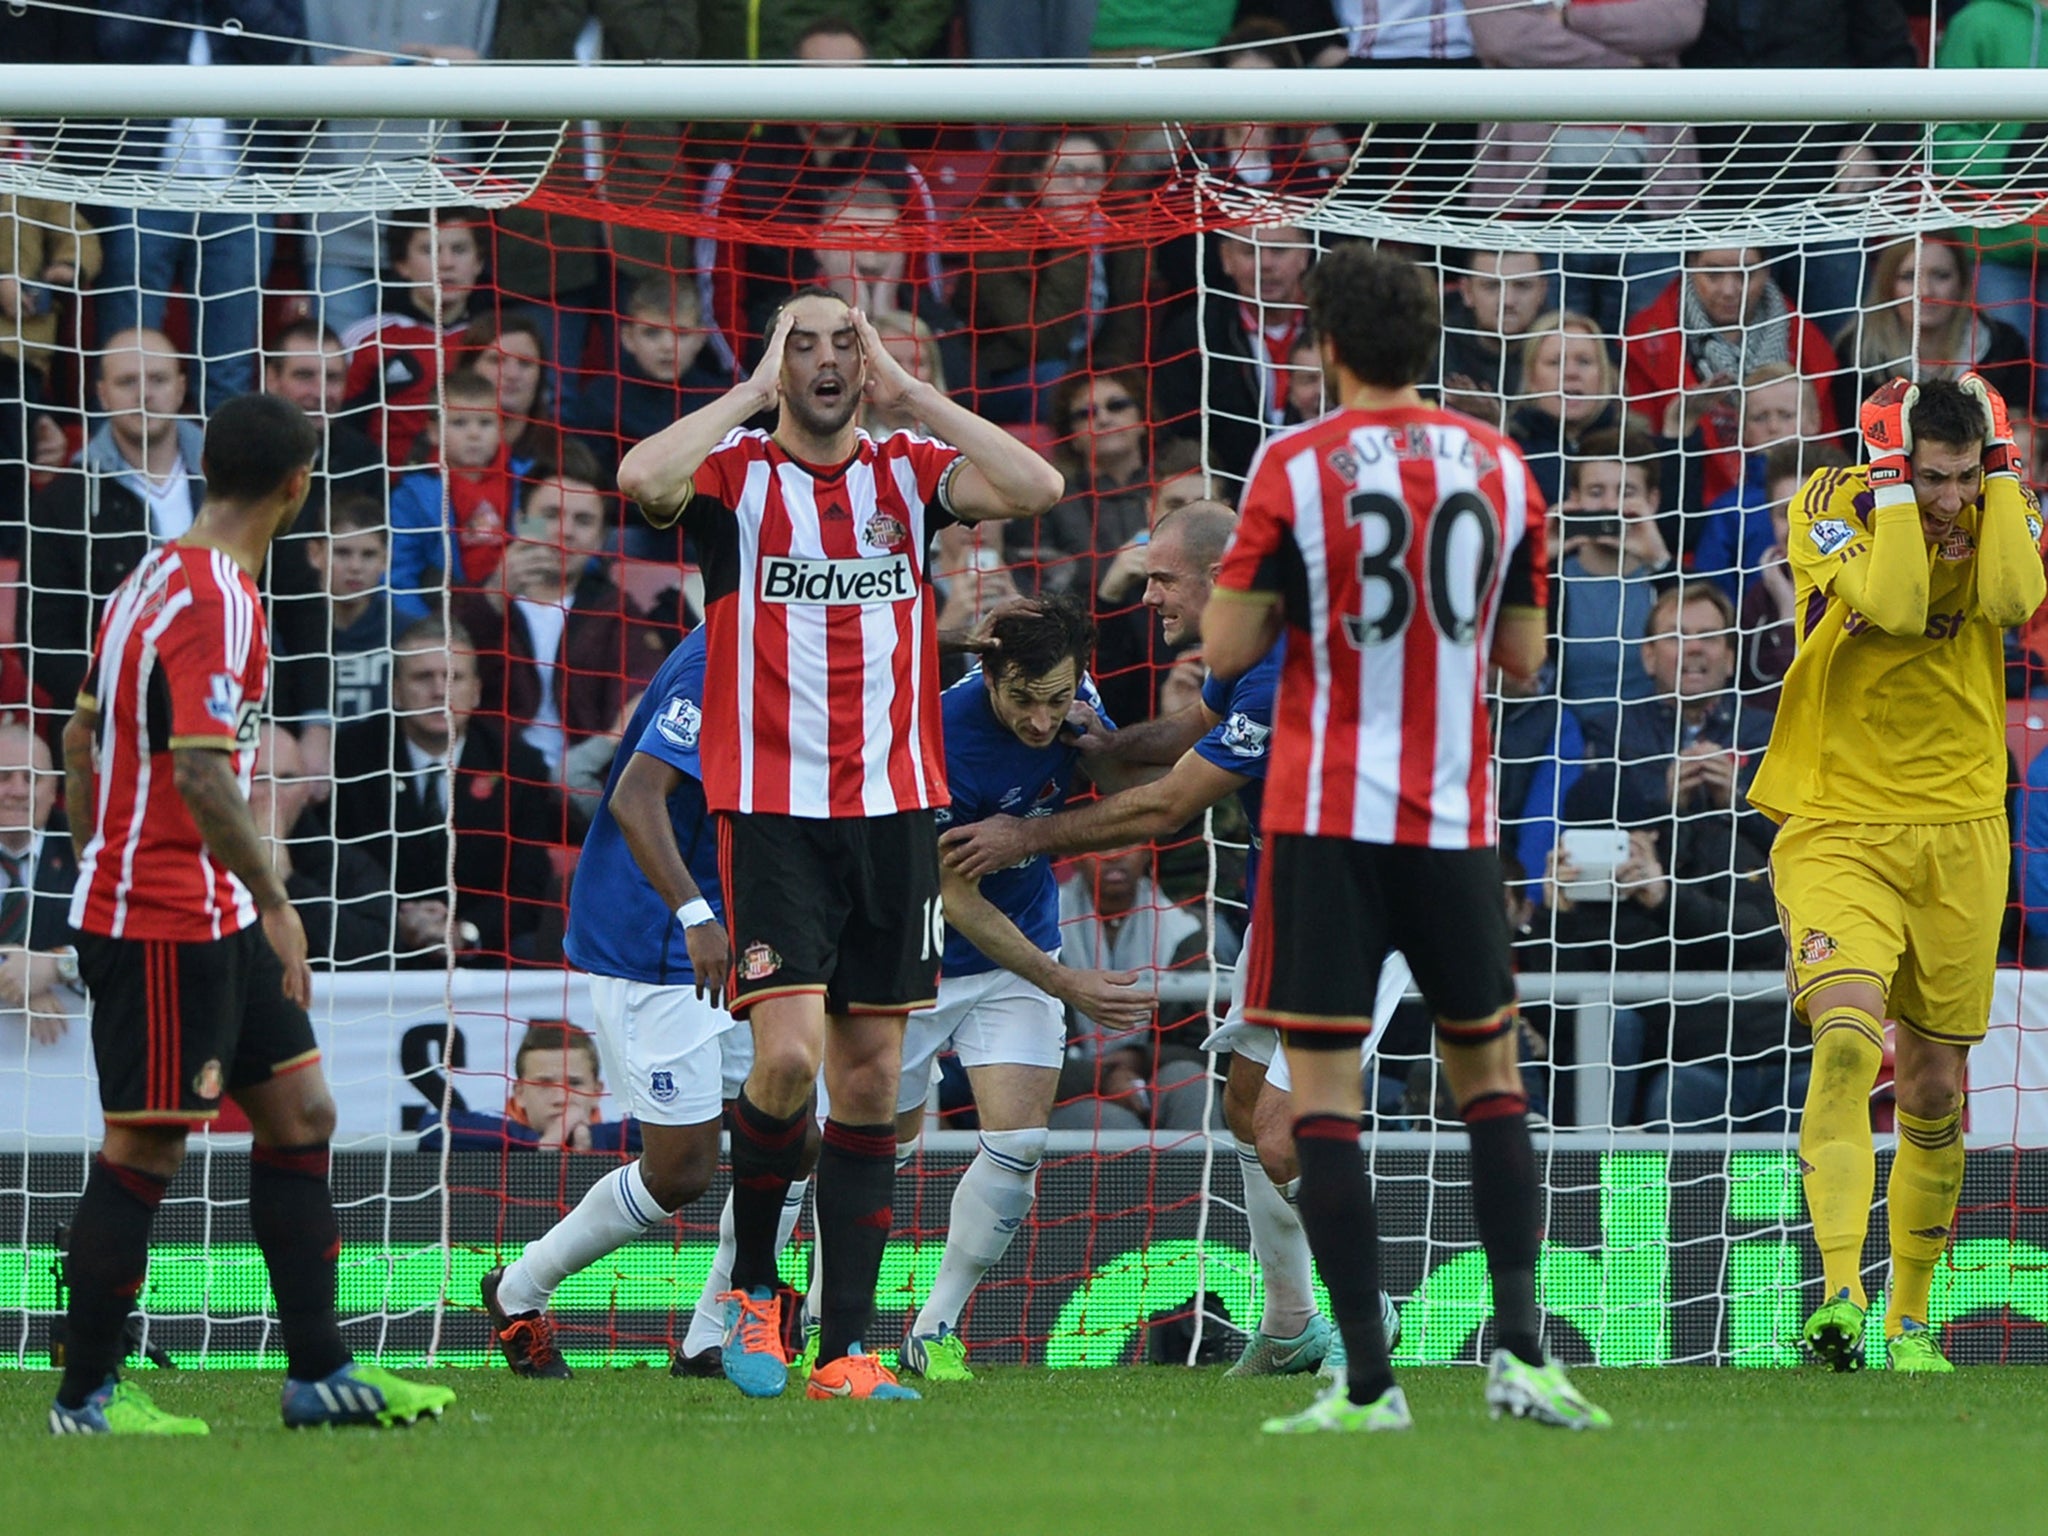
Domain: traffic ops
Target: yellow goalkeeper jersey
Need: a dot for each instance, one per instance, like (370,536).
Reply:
(1895,727)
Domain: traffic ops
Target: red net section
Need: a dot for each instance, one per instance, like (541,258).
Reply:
(965,189)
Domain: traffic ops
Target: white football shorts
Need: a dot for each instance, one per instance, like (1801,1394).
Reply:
(664,1050)
(991,1019)
(1394,980)
(1237,1035)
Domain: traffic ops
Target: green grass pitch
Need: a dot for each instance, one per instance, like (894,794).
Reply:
(1150,1451)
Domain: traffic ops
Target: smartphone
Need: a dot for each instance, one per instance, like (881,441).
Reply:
(1597,852)
(1592,525)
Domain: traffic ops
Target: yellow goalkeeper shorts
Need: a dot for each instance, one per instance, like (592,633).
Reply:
(1914,909)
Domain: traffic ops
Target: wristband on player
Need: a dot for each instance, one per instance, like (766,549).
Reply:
(1886,420)
(694,912)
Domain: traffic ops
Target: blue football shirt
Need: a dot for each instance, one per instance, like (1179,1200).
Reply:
(1242,741)
(992,773)
(618,924)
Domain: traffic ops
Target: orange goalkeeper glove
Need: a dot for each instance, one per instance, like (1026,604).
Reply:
(1888,439)
(2001,453)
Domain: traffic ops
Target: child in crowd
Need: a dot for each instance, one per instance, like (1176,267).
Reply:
(341,667)
(664,371)
(473,482)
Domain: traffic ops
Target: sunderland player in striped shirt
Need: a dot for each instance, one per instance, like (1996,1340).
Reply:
(645,925)
(1399,547)
(190,950)
(822,684)
(1886,774)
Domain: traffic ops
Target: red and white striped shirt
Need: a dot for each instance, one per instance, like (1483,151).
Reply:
(822,667)
(180,662)
(1394,538)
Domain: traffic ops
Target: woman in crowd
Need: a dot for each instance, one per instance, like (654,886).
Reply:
(1068,305)
(1925,284)
(508,350)
(1570,388)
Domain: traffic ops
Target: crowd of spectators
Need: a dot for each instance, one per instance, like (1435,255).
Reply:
(464,615)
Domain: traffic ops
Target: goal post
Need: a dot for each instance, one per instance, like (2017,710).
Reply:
(1145,331)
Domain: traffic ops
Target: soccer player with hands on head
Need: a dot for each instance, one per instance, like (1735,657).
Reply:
(821,685)
(1886,773)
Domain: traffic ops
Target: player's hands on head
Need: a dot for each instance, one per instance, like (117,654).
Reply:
(1886,423)
(886,383)
(1112,999)
(2001,453)
(287,937)
(979,849)
(711,958)
(766,379)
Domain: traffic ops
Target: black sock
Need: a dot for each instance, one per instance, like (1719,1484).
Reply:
(104,1267)
(766,1153)
(291,1211)
(856,1207)
(1507,1209)
(1337,1213)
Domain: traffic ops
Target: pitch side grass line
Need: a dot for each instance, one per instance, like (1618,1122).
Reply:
(1143,1451)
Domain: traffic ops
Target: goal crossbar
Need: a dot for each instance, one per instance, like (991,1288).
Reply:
(905,93)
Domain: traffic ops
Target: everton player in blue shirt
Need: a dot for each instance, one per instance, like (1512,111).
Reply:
(1008,751)
(1209,751)
(646,925)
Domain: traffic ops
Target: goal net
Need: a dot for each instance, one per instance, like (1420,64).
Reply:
(1674,317)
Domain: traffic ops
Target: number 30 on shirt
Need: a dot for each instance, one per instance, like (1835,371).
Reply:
(1463,548)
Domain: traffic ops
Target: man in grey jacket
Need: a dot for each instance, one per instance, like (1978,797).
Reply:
(137,483)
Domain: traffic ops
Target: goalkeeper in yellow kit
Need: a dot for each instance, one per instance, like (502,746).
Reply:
(1886,770)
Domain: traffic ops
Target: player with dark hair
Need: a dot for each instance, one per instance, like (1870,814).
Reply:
(190,949)
(1886,773)
(822,684)
(1401,547)
(1216,748)
(1001,984)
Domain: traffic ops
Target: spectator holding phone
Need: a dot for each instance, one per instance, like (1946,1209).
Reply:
(1613,561)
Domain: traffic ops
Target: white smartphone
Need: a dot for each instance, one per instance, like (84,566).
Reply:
(1596,851)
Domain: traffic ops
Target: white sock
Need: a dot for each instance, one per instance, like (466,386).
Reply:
(707,1322)
(993,1198)
(617,1209)
(1280,1247)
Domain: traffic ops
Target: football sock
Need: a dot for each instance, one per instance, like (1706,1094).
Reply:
(1343,1232)
(856,1183)
(1837,1160)
(291,1213)
(1927,1176)
(1279,1247)
(990,1202)
(613,1211)
(707,1321)
(766,1153)
(1507,1209)
(104,1267)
